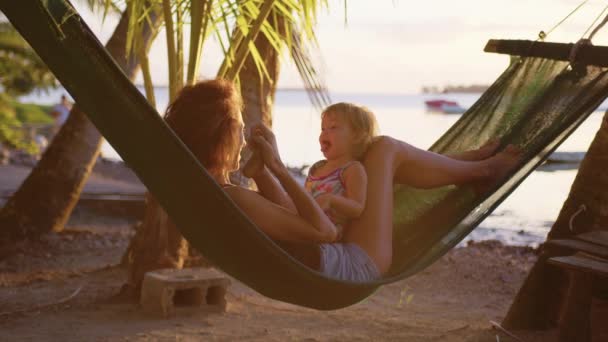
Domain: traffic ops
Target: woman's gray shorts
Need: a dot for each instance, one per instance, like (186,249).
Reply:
(347,261)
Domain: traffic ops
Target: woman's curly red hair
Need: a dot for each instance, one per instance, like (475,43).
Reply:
(206,117)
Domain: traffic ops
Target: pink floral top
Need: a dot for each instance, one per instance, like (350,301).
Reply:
(331,183)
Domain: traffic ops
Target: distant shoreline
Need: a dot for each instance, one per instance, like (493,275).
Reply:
(286,89)
(475,88)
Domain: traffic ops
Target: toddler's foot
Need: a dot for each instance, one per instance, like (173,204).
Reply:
(253,166)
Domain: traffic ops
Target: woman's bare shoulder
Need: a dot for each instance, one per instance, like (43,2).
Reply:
(239,191)
(246,198)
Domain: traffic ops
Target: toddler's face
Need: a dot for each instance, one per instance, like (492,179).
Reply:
(337,137)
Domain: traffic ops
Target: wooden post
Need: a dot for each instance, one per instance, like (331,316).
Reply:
(575,323)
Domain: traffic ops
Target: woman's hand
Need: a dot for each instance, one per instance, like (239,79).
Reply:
(259,129)
(264,142)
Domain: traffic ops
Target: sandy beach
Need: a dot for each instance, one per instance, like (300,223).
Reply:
(453,300)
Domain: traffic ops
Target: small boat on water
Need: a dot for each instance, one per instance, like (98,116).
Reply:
(558,161)
(444,106)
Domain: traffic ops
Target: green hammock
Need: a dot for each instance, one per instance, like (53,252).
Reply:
(536,103)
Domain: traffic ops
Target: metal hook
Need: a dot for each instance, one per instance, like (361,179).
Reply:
(581,208)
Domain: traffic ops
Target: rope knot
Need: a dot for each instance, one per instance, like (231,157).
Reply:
(542,35)
(577,47)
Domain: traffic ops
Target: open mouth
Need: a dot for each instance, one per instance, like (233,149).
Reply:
(325,145)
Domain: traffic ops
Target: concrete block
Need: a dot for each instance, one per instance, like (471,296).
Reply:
(169,291)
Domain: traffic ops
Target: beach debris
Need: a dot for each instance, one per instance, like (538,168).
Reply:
(404,296)
(40,307)
(166,291)
(5,155)
(497,326)
(464,327)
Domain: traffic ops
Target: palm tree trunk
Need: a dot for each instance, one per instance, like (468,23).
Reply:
(258,92)
(540,299)
(157,242)
(46,198)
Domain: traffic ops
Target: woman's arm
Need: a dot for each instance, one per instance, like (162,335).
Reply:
(267,185)
(271,189)
(274,220)
(307,208)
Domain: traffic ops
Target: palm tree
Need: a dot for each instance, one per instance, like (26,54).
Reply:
(540,299)
(157,243)
(258,88)
(46,198)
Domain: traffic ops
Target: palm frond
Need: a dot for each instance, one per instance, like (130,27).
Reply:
(106,6)
(234,24)
(312,78)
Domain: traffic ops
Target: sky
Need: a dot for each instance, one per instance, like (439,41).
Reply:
(400,46)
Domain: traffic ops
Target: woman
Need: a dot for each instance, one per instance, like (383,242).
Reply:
(207,118)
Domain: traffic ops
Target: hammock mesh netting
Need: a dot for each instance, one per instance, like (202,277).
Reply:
(535,104)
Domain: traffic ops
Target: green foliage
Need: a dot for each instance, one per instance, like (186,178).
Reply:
(234,24)
(13,117)
(30,113)
(21,70)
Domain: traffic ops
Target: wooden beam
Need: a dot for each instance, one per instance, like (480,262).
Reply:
(582,263)
(587,54)
(598,237)
(577,245)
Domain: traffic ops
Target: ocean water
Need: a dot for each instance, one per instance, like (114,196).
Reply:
(522,219)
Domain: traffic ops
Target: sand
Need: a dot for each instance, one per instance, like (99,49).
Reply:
(453,300)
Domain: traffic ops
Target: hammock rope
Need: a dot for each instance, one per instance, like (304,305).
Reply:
(598,27)
(587,41)
(542,34)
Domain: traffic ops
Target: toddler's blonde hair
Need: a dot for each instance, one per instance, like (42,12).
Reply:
(360,118)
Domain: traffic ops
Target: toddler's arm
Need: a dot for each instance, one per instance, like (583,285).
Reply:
(351,205)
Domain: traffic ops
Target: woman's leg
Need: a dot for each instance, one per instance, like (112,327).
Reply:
(485,151)
(425,169)
(373,230)
(389,160)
